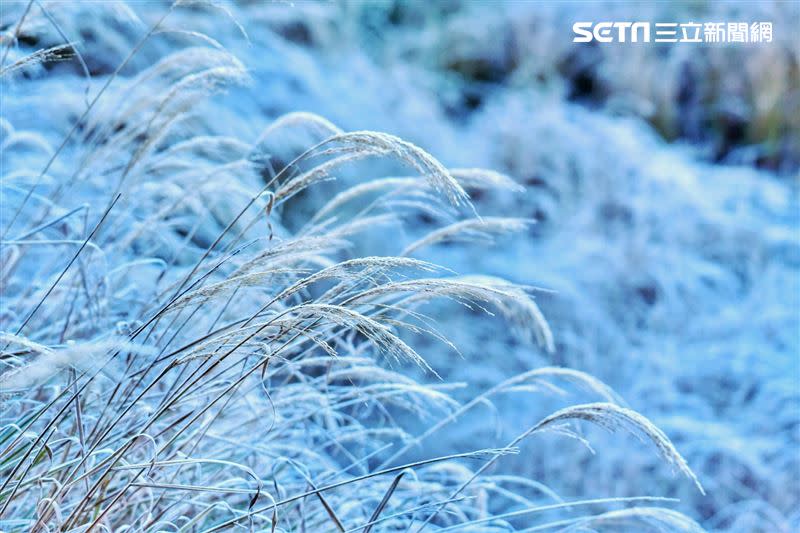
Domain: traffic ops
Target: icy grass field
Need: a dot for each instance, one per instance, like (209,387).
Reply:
(219,311)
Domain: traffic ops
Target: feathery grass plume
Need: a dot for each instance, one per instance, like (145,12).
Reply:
(375,143)
(543,377)
(187,368)
(299,127)
(539,378)
(472,230)
(372,270)
(519,308)
(380,335)
(607,415)
(217,148)
(365,223)
(219,289)
(180,97)
(118,122)
(56,53)
(317,174)
(483,178)
(313,249)
(655,519)
(613,418)
(472,178)
(363,189)
(310,121)
(52,361)
(7,339)
(500,519)
(511,300)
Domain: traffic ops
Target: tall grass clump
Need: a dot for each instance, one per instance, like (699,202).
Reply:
(174,357)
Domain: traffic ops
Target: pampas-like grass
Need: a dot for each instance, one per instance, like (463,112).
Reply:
(310,121)
(55,53)
(472,178)
(655,519)
(191,364)
(613,417)
(383,144)
(481,229)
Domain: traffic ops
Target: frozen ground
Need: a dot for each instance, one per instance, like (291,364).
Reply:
(668,269)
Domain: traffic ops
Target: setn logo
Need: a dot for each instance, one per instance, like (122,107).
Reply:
(673,32)
(604,32)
